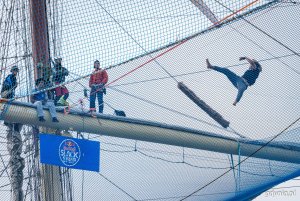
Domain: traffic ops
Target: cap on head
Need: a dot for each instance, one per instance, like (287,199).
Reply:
(14,68)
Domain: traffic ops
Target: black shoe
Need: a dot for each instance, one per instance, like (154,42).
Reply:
(54,119)
(41,119)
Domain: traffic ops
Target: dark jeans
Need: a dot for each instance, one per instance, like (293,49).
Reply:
(99,95)
(236,80)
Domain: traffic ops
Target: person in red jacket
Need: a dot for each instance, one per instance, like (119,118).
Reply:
(97,82)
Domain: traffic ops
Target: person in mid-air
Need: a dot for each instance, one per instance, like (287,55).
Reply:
(240,82)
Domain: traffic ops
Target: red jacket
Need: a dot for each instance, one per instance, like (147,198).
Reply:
(98,77)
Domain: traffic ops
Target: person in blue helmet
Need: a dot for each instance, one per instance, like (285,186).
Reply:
(240,82)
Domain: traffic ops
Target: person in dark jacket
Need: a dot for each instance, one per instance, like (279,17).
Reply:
(240,82)
(97,82)
(59,74)
(10,84)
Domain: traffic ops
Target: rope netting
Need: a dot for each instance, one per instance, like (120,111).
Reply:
(144,46)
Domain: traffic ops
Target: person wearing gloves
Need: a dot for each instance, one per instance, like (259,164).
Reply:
(97,82)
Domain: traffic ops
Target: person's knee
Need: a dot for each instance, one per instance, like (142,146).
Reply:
(38,103)
(243,87)
(50,104)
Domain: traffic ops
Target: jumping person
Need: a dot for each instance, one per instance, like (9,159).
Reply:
(41,99)
(59,74)
(240,82)
(97,81)
(10,84)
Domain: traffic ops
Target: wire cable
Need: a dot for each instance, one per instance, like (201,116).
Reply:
(171,110)
(118,187)
(114,19)
(265,33)
(198,72)
(242,161)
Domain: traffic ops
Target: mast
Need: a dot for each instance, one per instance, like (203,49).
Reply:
(16,161)
(40,39)
(51,189)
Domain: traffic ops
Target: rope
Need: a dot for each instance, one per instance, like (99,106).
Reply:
(273,38)
(84,77)
(182,162)
(177,45)
(259,46)
(216,116)
(152,59)
(196,72)
(118,187)
(136,41)
(5,40)
(235,132)
(134,148)
(174,111)
(242,161)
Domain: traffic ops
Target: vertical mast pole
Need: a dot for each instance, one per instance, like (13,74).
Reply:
(50,175)
(40,39)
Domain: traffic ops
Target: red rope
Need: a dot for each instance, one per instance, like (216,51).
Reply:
(175,46)
(147,62)
(179,44)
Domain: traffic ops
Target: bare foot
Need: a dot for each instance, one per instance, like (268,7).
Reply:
(209,66)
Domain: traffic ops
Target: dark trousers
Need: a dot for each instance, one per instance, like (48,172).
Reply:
(99,95)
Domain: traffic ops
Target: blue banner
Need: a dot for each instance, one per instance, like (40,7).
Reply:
(70,152)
